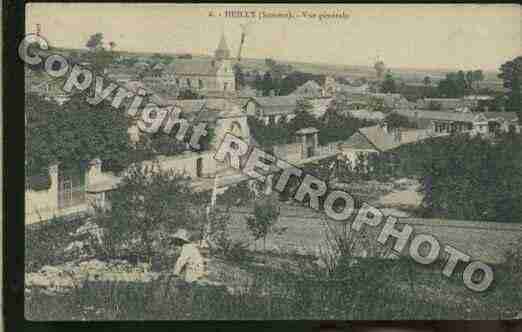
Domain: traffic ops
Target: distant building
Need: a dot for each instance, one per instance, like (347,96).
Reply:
(310,89)
(485,123)
(273,109)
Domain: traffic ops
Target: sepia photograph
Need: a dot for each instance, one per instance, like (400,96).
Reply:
(189,162)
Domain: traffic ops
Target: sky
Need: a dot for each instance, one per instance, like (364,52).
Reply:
(459,36)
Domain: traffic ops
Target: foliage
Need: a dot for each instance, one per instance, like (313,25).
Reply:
(458,84)
(266,214)
(511,74)
(148,200)
(295,79)
(99,57)
(388,84)
(239,76)
(219,235)
(269,135)
(335,125)
(74,132)
(462,177)
(434,105)
(95,41)
(189,94)
(395,120)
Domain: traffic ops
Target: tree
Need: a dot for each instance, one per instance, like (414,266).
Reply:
(99,57)
(75,132)
(427,83)
(239,76)
(395,120)
(266,215)
(453,86)
(511,74)
(95,41)
(478,76)
(388,84)
(148,201)
(267,84)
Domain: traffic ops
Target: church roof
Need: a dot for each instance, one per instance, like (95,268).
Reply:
(222,51)
(223,44)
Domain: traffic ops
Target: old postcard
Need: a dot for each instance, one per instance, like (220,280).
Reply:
(272,161)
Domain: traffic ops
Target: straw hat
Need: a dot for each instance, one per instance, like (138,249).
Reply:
(182,234)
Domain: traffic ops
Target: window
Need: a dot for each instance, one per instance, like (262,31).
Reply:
(177,81)
(200,84)
(225,86)
(188,83)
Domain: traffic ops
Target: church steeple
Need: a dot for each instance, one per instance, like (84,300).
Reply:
(222,51)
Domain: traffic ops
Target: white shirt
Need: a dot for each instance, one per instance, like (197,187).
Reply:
(191,265)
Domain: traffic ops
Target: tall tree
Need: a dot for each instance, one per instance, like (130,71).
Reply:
(511,74)
(99,57)
(267,84)
(388,84)
(95,41)
(239,76)
(478,76)
(147,201)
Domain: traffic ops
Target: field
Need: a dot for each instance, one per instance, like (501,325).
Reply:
(257,284)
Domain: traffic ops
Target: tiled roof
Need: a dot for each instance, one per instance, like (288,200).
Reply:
(193,67)
(277,104)
(507,116)
(437,115)
(381,139)
(455,116)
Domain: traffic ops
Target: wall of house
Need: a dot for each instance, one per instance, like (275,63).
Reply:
(236,125)
(291,153)
(186,163)
(225,75)
(43,204)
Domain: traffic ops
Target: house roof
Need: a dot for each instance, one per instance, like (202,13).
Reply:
(506,116)
(379,138)
(310,86)
(277,104)
(306,131)
(208,110)
(358,141)
(437,115)
(201,67)
(456,116)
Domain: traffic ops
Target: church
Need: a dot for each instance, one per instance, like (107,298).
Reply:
(209,77)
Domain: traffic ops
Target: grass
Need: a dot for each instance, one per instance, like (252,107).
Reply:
(289,287)
(372,290)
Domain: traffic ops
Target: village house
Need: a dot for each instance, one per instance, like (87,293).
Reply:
(273,109)
(446,104)
(485,123)
(310,89)
(78,190)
